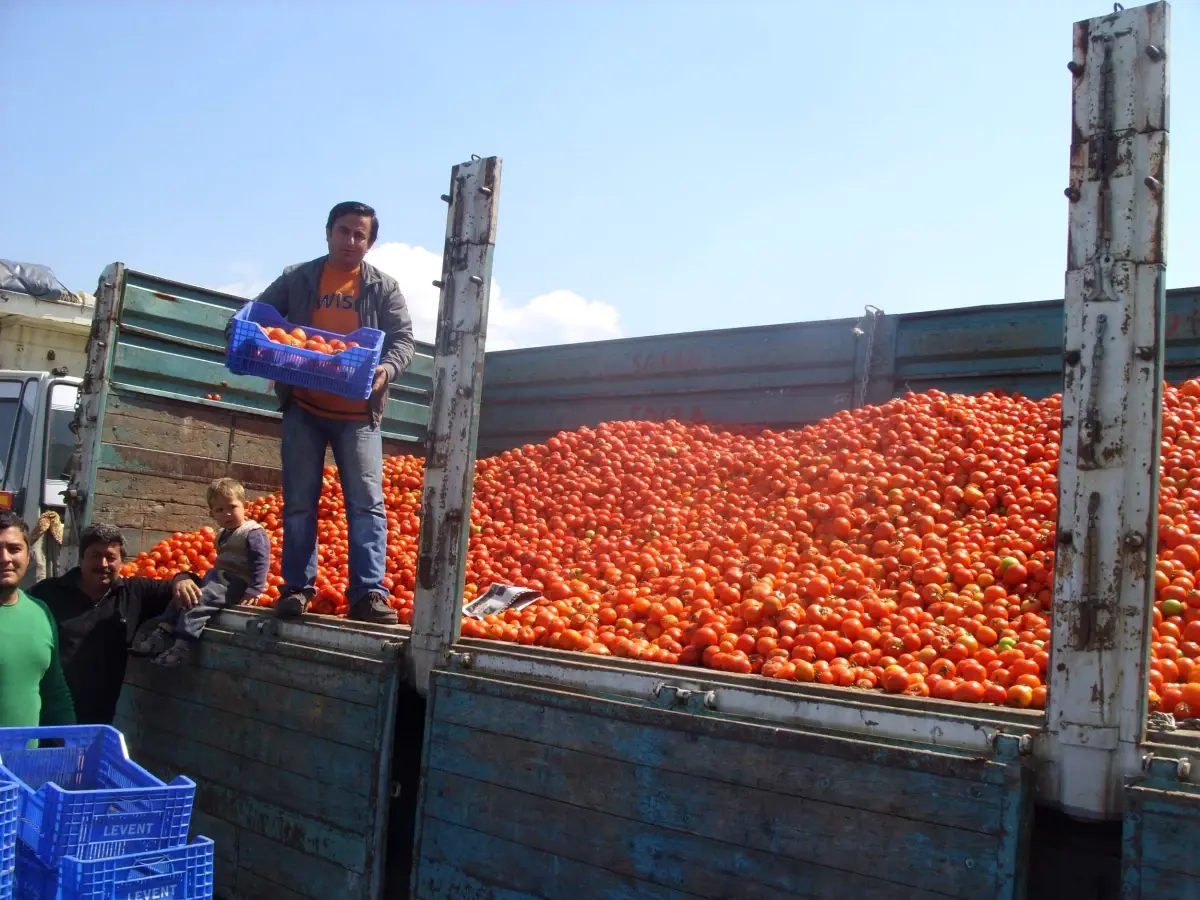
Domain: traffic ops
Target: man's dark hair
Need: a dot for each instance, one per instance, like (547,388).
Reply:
(9,519)
(102,535)
(353,208)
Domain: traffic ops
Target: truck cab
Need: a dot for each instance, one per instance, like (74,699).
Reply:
(36,443)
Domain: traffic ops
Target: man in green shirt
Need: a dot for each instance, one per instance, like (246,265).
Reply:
(33,690)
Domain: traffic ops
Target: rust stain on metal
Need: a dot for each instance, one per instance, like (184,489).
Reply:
(163,296)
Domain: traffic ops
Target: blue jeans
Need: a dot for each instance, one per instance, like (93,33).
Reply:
(358,452)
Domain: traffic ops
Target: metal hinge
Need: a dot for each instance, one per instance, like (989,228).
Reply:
(1165,768)
(1012,746)
(671,696)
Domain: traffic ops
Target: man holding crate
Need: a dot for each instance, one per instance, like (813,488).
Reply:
(339,293)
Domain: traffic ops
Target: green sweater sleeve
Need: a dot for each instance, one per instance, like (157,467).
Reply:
(57,706)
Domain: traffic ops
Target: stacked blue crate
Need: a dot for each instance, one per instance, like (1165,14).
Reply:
(93,823)
(9,803)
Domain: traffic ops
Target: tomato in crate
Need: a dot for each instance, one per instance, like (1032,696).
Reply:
(262,343)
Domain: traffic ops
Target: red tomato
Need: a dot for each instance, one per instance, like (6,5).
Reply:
(906,547)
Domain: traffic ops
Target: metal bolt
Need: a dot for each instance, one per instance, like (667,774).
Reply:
(1155,53)
(475,279)
(1072,194)
(1134,540)
(485,190)
(1145,353)
(1184,769)
(1072,357)
(439,285)
(1075,68)
(1153,183)
(445,198)
(1066,537)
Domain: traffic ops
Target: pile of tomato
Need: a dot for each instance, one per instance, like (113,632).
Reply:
(907,547)
(299,338)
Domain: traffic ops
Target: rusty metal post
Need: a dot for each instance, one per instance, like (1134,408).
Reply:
(93,397)
(1111,407)
(454,413)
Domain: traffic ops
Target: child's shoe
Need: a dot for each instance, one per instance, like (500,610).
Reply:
(152,639)
(176,655)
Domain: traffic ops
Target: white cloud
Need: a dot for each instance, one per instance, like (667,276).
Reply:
(556,317)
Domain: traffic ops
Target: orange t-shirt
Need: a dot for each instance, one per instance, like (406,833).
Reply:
(336,311)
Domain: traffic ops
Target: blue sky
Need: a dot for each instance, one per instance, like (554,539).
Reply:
(668,166)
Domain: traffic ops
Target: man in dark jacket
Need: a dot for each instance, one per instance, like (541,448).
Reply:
(97,613)
(339,293)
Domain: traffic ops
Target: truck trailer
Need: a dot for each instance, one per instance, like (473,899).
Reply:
(336,759)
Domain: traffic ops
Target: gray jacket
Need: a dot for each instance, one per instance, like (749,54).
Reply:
(381,306)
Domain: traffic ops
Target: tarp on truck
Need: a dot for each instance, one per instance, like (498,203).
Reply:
(32,279)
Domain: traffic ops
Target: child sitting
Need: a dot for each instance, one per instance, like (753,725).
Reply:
(239,575)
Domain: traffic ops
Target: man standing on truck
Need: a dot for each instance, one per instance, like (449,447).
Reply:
(339,292)
(32,689)
(98,613)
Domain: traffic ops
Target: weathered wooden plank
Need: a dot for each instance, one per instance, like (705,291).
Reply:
(1170,821)
(223,835)
(148,515)
(795,839)
(170,753)
(166,434)
(250,639)
(249,886)
(145,486)
(526,765)
(551,716)
(314,757)
(1161,884)
(459,863)
(257,442)
(720,818)
(184,467)
(300,832)
(223,651)
(351,724)
(306,875)
(131,407)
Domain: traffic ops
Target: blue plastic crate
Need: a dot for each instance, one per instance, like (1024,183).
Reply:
(9,802)
(34,880)
(348,374)
(87,798)
(178,873)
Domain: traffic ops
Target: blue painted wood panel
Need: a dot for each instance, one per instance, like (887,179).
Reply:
(290,748)
(648,800)
(1161,852)
(791,374)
